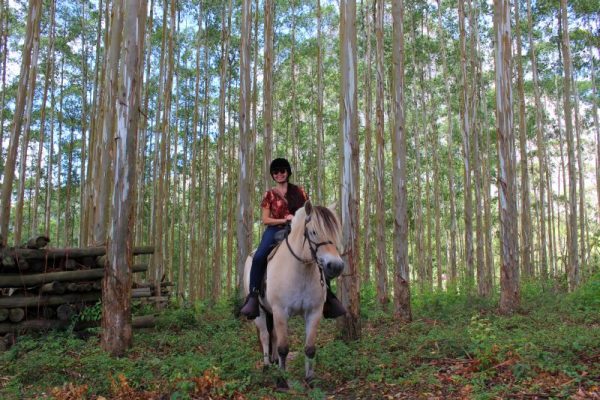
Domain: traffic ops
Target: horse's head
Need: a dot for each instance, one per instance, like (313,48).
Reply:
(323,232)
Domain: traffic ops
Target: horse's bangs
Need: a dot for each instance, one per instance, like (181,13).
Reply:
(327,224)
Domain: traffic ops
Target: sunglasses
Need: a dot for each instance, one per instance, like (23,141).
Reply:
(278,171)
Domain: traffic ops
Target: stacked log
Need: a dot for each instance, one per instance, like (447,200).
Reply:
(45,288)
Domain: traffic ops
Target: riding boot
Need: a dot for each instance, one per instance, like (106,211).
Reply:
(333,308)
(250,308)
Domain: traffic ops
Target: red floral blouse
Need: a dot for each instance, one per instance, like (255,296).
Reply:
(279,206)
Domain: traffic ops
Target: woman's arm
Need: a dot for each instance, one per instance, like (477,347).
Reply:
(267,220)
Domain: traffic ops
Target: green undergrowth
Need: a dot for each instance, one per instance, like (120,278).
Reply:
(457,346)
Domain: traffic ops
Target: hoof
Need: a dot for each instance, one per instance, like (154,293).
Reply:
(309,382)
(282,384)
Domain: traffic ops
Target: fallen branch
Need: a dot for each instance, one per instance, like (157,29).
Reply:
(19,280)
(147,321)
(52,254)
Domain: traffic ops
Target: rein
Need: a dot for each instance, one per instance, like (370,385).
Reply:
(313,246)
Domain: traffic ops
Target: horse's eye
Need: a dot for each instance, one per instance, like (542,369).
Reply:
(314,233)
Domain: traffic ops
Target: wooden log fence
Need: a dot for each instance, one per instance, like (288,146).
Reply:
(45,288)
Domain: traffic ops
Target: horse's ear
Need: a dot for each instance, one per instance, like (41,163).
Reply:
(308,207)
(333,207)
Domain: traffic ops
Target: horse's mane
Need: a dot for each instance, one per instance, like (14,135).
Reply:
(324,221)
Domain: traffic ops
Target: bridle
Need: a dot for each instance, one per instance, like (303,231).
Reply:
(313,246)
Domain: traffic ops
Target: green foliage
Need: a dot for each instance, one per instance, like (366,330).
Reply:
(481,333)
(456,343)
(91,313)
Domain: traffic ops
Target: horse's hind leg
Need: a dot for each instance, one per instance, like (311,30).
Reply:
(310,350)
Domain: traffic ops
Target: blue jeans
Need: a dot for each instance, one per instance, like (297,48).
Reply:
(259,261)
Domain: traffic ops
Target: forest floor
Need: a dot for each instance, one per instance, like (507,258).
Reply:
(457,347)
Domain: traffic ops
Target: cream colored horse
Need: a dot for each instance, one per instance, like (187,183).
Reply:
(296,283)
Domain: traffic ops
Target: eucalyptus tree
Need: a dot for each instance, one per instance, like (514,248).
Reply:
(25,89)
(268,87)
(596,129)
(541,146)
(129,19)
(509,276)
(380,257)
(466,118)
(449,145)
(27,116)
(350,325)
(402,308)
(319,111)
(573,262)
(225,38)
(48,79)
(4,14)
(367,185)
(244,224)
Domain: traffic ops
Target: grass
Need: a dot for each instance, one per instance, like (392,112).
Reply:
(456,347)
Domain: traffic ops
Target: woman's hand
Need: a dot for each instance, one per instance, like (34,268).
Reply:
(289,217)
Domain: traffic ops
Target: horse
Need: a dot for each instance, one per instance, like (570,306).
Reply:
(295,284)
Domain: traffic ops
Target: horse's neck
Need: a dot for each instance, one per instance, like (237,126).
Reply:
(297,241)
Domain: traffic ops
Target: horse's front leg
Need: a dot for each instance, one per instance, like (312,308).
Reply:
(310,349)
(280,322)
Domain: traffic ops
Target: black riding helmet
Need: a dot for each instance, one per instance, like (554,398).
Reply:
(280,164)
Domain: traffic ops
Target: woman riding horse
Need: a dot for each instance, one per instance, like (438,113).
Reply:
(278,208)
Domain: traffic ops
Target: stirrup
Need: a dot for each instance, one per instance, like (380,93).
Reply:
(250,307)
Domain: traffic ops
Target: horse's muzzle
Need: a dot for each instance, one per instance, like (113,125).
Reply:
(332,267)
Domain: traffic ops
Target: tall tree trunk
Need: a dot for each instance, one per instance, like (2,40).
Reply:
(26,132)
(49,77)
(350,324)
(4,12)
(193,205)
(294,118)
(320,90)
(380,264)
(216,283)
(49,166)
(573,263)
(68,212)
(380,260)
(526,228)
(560,248)
(509,277)
(475,127)
(87,203)
(59,154)
(116,287)
(581,181)
(367,185)
(161,259)
(450,169)
(597,131)
(205,197)
(33,22)
(106,119)
(541,147)
(268,88)
(487,208)
(418,206)
(231,268)
(466,117)
(244,223)
(402,308)
(84,119)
